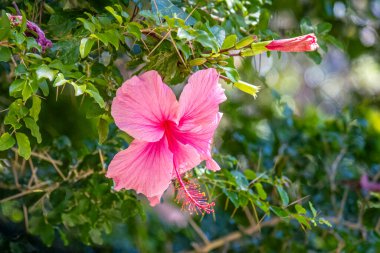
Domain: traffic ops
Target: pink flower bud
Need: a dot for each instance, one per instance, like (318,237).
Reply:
(298,44)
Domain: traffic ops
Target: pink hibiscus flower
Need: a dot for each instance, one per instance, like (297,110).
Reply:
(298,44)
(171,137)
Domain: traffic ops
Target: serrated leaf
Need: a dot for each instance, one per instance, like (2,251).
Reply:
(33,127)
(6,141)
(23,145)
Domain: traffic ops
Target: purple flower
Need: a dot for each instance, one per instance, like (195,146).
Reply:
(33,30)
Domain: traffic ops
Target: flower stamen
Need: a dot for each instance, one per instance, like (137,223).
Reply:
(191,197)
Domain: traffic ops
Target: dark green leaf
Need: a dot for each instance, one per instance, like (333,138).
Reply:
(5,26)
(284,196)
(5,54)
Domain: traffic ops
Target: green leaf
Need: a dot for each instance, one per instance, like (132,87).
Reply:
(167,8)
(324,221)
(306,26)
(102,37)
(334,41)
(232,196)
(94,93)
(231,73)
(23,145)
(260,191)
(85,46)
(39,227)
(27,91)
(324,28)
(6,141)
(36,108)
(44,71)
(102,130)
(315,56)
(96,236)
(5,26)
(241,181)
(16,111)
(134,29)
(245,42)
(59,80)
(300,209)
(302,220)
(116,16)
(279,211)
(314,212)
(87,25)
(229,42)
(284,196)
(113,37)
(207,41)
(44,88)
(16,87)
(5,54)
(33,127)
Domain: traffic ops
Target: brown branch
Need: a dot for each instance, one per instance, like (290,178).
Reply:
(235,236)
(16,7)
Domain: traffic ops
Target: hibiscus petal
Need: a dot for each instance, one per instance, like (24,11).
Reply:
(186,157)
(200,99)
(141,106)
(145,167)
(200,138)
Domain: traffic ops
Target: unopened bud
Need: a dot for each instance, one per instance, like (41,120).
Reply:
(197,61)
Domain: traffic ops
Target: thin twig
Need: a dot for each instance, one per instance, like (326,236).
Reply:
(199,231)
(16,7)
(26,220)
(159,43)
(55,165)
